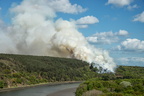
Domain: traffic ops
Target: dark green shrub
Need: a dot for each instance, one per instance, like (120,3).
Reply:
(115,94)
(81,89)
(90,86)
(1,84)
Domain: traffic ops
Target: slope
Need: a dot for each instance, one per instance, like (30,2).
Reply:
(20,70)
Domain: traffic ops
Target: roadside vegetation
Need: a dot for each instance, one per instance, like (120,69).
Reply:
(121,87)
(127,81)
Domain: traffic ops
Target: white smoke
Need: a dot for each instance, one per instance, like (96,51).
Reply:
(35,32)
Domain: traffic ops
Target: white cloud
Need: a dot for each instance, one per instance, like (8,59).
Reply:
(83,22)
(87,20)
(132,7)
(92,39)
(107,37)
(132,61)
(65,6)
(132,45)
(122,33)
(1,22)
(139,17)
(120,3)
(103,38)
(0,8)
(51,5)
(136,59)
(82,26)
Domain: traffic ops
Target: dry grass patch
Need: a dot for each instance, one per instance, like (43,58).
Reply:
(92,93)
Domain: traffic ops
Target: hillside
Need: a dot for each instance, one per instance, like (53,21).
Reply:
(20,70)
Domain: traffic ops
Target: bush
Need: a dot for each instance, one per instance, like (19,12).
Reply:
(1,84)
(90,86)
(119,89)
(81,89)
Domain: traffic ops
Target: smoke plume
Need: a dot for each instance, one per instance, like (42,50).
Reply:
(34,31)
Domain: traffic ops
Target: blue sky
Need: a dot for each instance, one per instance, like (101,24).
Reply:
(113,25)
